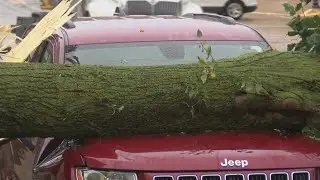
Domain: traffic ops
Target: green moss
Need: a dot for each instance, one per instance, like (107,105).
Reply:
(69,100)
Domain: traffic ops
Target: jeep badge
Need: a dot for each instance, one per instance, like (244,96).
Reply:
(231,163)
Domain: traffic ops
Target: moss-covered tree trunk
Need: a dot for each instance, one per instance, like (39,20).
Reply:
(69,100)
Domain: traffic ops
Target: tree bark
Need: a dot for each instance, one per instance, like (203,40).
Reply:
(261,92)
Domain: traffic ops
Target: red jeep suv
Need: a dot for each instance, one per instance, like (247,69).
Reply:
(166,40)
(139,40)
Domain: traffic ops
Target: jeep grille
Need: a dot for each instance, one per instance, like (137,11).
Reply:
(163,178)
(211,177)
(160,8)
(301,176)
(139,8)
(168,8)
(279,176)
(234,177)
(260,175)
(257,177)
(187,178)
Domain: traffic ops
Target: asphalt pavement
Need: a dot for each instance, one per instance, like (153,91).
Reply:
(270,20)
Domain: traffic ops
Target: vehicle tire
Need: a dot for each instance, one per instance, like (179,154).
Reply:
(234,9)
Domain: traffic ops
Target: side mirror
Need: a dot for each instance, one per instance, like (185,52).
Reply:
(4,141)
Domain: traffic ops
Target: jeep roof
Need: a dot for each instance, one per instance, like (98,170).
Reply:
(138,28)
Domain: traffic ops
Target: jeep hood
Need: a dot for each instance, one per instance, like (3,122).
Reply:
(202,152)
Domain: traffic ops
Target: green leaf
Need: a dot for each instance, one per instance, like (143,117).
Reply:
(291,46)
(289,9)
(253,88)
(213,74)
(311,132)
(304,33)
(292,13)
(243,85)
(292,33)
(314,39)
(201,61)
(248,87)
(260,90)
(317,134)
(120,108)
(301,46)
(310,22)
(295,23)
(209,53)
(204,78)
(298,7)
(211,67)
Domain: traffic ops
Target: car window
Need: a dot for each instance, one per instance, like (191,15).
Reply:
(47,54)
(36,55)
(157,53)
(43,53)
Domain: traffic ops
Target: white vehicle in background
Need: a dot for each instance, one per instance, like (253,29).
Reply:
(96,8)
(142,7)
(231,8)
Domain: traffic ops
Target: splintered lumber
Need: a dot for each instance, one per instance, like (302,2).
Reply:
(44,29)
(266,91)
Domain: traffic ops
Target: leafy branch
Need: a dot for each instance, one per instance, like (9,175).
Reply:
(207,62)
(306,28)
(196,94)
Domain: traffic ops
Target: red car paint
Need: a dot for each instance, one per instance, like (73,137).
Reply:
(207,151)
(198,154)
(145,28)
(175,155)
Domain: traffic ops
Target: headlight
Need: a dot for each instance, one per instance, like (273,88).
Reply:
(86,174)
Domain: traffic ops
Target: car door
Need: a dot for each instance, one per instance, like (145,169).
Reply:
(215,4)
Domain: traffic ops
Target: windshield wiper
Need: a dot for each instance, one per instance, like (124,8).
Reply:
(73,60)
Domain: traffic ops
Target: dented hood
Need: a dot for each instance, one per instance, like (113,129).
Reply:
(217,151)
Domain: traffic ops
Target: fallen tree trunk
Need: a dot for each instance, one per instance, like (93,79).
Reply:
(266,91)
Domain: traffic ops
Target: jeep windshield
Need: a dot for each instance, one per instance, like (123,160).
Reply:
(158,53)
